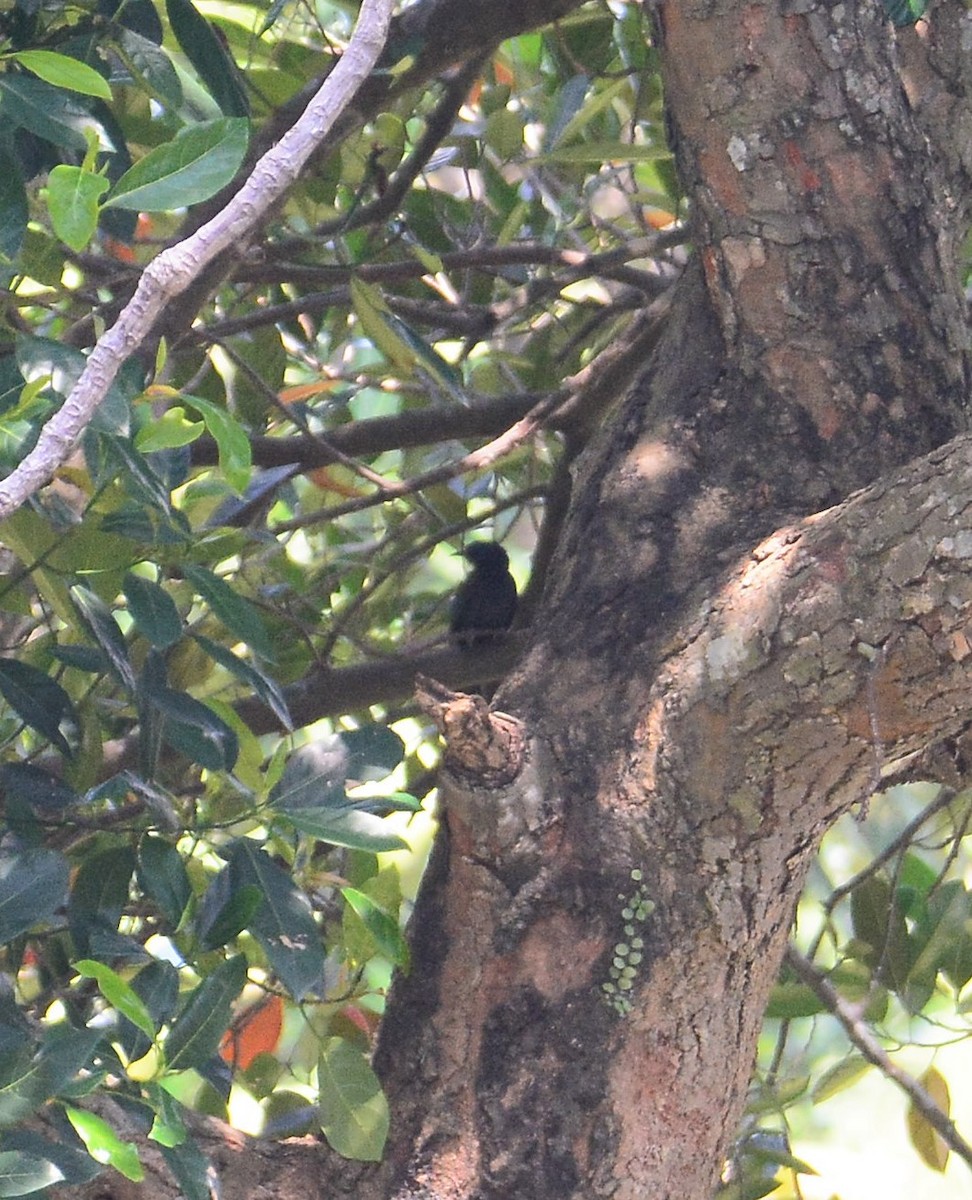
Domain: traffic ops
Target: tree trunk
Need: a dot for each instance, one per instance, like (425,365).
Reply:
(714,676)
(730,653)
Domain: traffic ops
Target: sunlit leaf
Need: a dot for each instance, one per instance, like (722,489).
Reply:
(924,1137)
(353,1109)
(104,1145)
(64,72)
(194,166)
(206,53)
(118,994)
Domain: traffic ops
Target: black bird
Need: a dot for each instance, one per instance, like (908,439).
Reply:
(485,602)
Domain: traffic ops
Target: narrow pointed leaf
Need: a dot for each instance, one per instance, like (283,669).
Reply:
(105,630)
(118,994)
(232,441)
(205,51)
(196,1034)
(237,614)
(263,686)
(153,611)
(37,699)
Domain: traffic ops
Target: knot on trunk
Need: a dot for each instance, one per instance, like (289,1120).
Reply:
(483,747)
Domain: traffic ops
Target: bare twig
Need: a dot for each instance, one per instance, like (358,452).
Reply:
(860,1036)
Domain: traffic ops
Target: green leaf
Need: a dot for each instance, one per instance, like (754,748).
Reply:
(118,994)
(151,67)
(374,752)
(840,1076)
(64,1053)
(313,777)
(238,615)
(153,611)
(44,110)
(791,999)
(14,211)
(64,72)
(105,631)
(205,51)
(195,1036)
(576,110)
(193,728)
(99,894)
(168,1125)
(232,441)
(27,784)
(398,342)
(191,1168)
(916,878)
(284,923)
(104,1145)
(353,1108)
(74,1163)
(261,684)
(905,12)
(374,315)
(169,431)
(195,165)
(383,928)
(604,152)
(21,1174)
(225,913)
(139,477)
(157,986)
(349,827)
(870,912)
(38,700)
(163,876)
(33,885)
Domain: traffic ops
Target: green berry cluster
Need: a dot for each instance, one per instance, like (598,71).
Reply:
(628,953)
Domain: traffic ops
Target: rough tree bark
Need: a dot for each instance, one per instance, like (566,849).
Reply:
(732,649)
(716,672)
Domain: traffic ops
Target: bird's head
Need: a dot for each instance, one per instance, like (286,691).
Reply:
(487,556)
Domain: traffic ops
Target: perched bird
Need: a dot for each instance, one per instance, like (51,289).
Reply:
(485,602)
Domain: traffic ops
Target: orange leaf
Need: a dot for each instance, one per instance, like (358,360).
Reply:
(502,73)
(304,391)
(118,250)
(658,218)
(256,1031)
